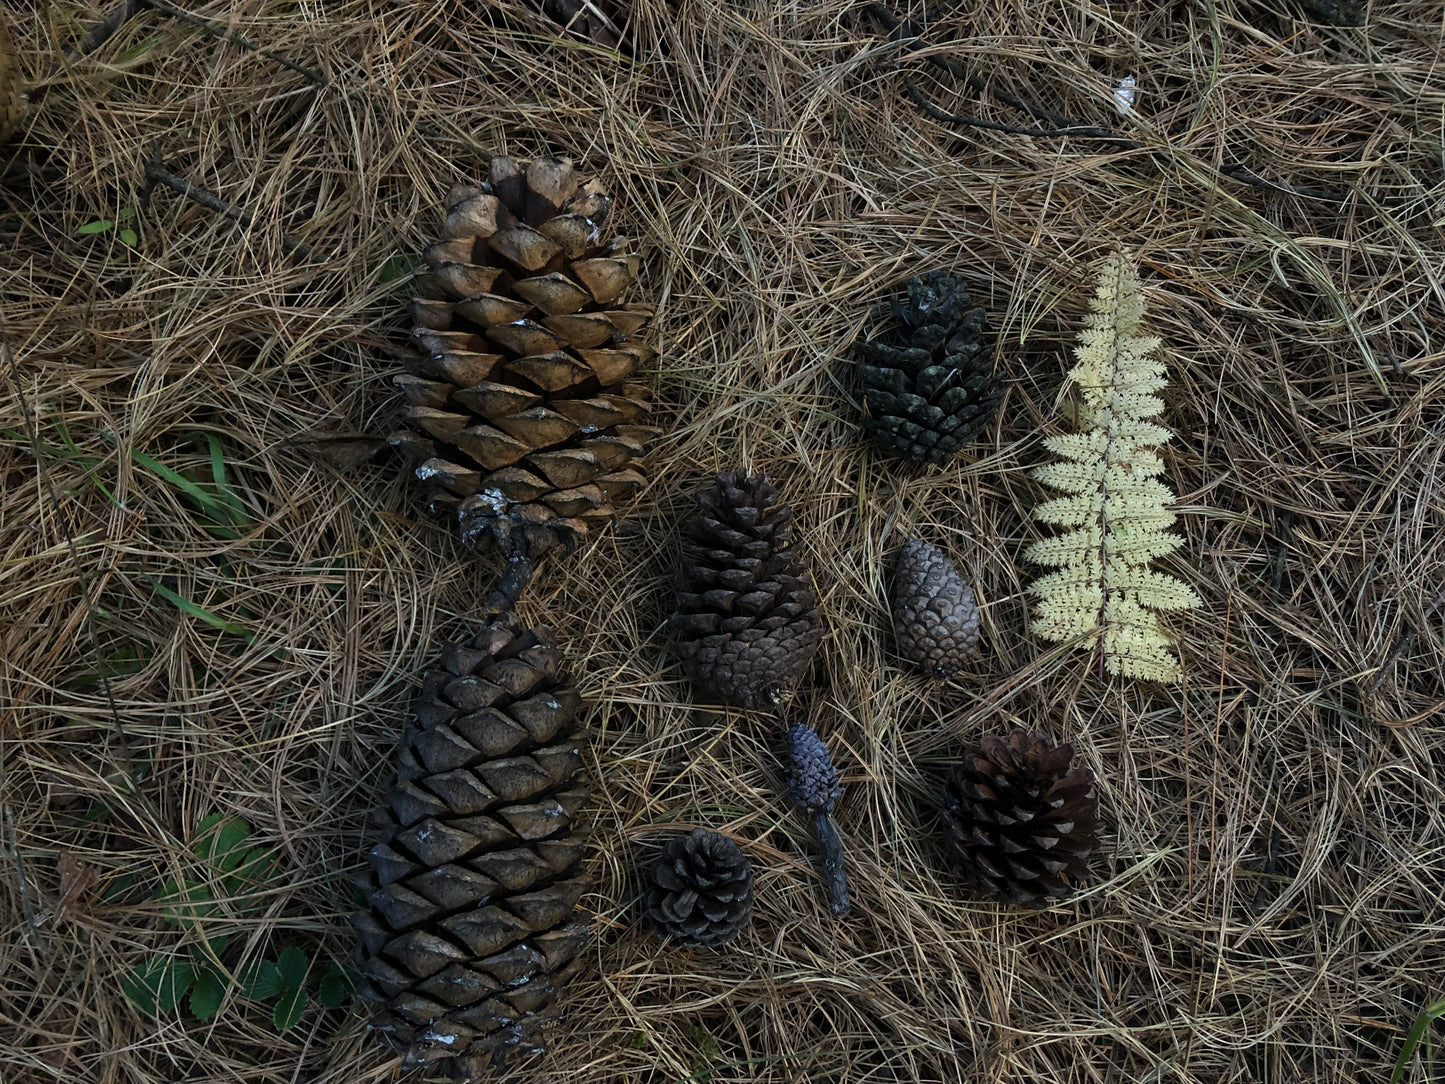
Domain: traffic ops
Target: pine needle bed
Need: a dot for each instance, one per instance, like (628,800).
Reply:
(200,616)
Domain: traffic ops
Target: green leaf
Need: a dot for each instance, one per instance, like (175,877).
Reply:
(186,606)
(335,985)
(289,1009)
(397,267)
(129,237)
(293,966)
(207,994)
(158,986)
(230,500)
(260,980)
(220,839)
(100,225)
(205,951)
(1413,1037)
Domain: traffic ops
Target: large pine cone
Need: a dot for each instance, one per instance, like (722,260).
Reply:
(526,414)
(932,390)
(473,926)
(700,890)
(1020,825)
(935,619)
(748,623)
(12,105)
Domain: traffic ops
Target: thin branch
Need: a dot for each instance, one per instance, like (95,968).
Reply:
(235,39)
(156,173)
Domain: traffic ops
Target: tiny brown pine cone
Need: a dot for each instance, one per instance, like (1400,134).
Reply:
(748,622)
(935,619)
(1020,826)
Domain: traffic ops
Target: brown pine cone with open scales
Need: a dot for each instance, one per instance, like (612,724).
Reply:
(1020,825)
(473,928)
(527,415)
(700,890)
(748,623)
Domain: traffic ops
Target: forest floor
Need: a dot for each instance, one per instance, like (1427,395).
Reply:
(200,619)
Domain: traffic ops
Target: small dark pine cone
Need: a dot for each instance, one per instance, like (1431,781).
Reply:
(1020,825)
(473,928)
(700,890)
(930,388)
(935,620)
(814,779)
(748,623)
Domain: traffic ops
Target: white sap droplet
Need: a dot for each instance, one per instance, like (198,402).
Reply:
(1126,91)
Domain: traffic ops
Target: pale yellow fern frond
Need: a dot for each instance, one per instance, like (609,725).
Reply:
(1115,507)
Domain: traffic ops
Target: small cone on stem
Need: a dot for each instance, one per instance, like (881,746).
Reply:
(816,790)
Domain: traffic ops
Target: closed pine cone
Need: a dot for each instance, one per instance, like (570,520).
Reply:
(935,619)
(1020,825)
(748,623)
(12,105)
(930,387)
(526,414)
(700,890)
(473,927)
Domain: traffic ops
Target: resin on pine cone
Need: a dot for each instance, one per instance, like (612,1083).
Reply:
(473,928)
(935,619)
(700,890)
(1020,825)
(748,623)
(930,388)
(526,413)
(12,104)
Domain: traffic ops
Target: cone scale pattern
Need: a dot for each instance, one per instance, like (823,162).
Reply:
(700,890)
(748,623)
(526,415)
(473,926)
(932,390)
(12,106)
(1020,825)
(935,618)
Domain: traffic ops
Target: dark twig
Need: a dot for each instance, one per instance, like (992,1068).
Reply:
(1065,127)
(1405,641)
(156,173)
(102,31)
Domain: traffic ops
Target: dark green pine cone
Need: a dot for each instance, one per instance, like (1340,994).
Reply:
(700,890)
(473,928)
(933,390)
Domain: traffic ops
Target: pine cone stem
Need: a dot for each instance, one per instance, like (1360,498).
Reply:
(835,874)
(515,578)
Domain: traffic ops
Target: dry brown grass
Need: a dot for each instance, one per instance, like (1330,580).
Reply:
(1270,909)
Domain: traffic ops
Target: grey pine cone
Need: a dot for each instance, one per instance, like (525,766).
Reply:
(930,387)
(748,623)
(1020,825)
(700,890)
(935,618)
(814,779)
(473,927)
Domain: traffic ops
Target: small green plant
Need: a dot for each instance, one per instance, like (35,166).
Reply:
(1419,1031)
(105,225)
(234,877)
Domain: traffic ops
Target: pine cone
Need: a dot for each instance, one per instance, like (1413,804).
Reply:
(748,623)
(816,790)
(700,890)
(933,391)
(935,620)
(12,105)
(525,416)
(1020,825)
(473,926)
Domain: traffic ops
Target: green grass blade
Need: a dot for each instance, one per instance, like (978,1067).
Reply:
(186,606)
(1413,1037)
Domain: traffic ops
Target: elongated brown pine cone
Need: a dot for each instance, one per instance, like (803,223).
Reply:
(748,622)
(12,105)
(1020,825)
(473,928)
(935,619)
(527,414)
